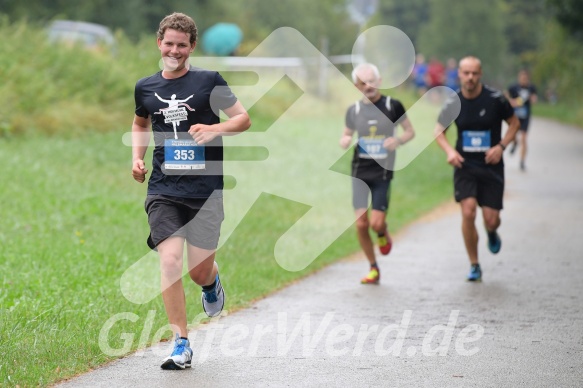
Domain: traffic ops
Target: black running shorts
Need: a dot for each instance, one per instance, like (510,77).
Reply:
(486,184)
(196,220)
(524,124)
(380,191)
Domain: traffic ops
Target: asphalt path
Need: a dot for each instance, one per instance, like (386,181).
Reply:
(424,325)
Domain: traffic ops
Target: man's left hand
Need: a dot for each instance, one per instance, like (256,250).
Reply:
(494,155)
(202,133)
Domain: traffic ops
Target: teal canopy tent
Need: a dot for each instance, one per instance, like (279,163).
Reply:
(222,39)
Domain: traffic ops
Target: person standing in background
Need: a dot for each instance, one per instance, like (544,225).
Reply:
(451,78)
(419,74)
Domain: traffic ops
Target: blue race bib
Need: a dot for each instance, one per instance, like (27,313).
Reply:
(372,148)
(183,155)
(521,112)
(476,141)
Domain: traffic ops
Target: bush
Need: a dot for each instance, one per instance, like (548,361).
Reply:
(56,88)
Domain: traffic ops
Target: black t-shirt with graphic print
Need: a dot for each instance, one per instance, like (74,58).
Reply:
(374,123)
(180,168)
(479,124)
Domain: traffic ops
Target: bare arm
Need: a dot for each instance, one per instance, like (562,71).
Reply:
(140,141)
(238,122)
(513,127)
(494,154)
(391,143)
(515,102)
(346,138)
(453,157)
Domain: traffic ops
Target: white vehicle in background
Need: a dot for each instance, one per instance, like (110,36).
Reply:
(91,35)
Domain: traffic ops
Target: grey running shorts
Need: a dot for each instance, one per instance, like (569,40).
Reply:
(198,220)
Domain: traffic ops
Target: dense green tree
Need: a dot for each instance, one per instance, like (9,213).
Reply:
(134,17)
(558,64)
(316,20)
(569,13)
(504,33)
(524,25)
(458,28)
(408,16)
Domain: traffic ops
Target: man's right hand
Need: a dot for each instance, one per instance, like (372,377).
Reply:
(455,159)
(139,170)
(345,141)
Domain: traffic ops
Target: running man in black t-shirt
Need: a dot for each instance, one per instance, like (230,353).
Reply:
(184,203)
(477,156)
(521,96)
(374,119)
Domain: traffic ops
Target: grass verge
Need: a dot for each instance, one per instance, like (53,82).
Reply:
(561,112)
(75,223)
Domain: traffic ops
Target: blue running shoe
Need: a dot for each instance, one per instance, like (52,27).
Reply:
(213,300)
(494,242)
(181,356)
(475,274)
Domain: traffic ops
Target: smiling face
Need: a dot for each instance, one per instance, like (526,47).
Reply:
(175,48)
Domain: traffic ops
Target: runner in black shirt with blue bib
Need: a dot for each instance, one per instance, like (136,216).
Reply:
(374,118)
(521,96)
(477,156)
(184,201)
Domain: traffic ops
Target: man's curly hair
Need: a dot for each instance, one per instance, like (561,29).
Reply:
(180,22)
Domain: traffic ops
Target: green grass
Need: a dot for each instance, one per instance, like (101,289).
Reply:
(74,222)
(57,89)
(562,112)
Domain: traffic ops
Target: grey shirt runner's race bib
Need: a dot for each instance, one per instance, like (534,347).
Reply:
(372,148)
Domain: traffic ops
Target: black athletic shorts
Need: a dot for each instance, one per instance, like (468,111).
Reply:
(380,191)
(524,124)
(486,184)
(196,220)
